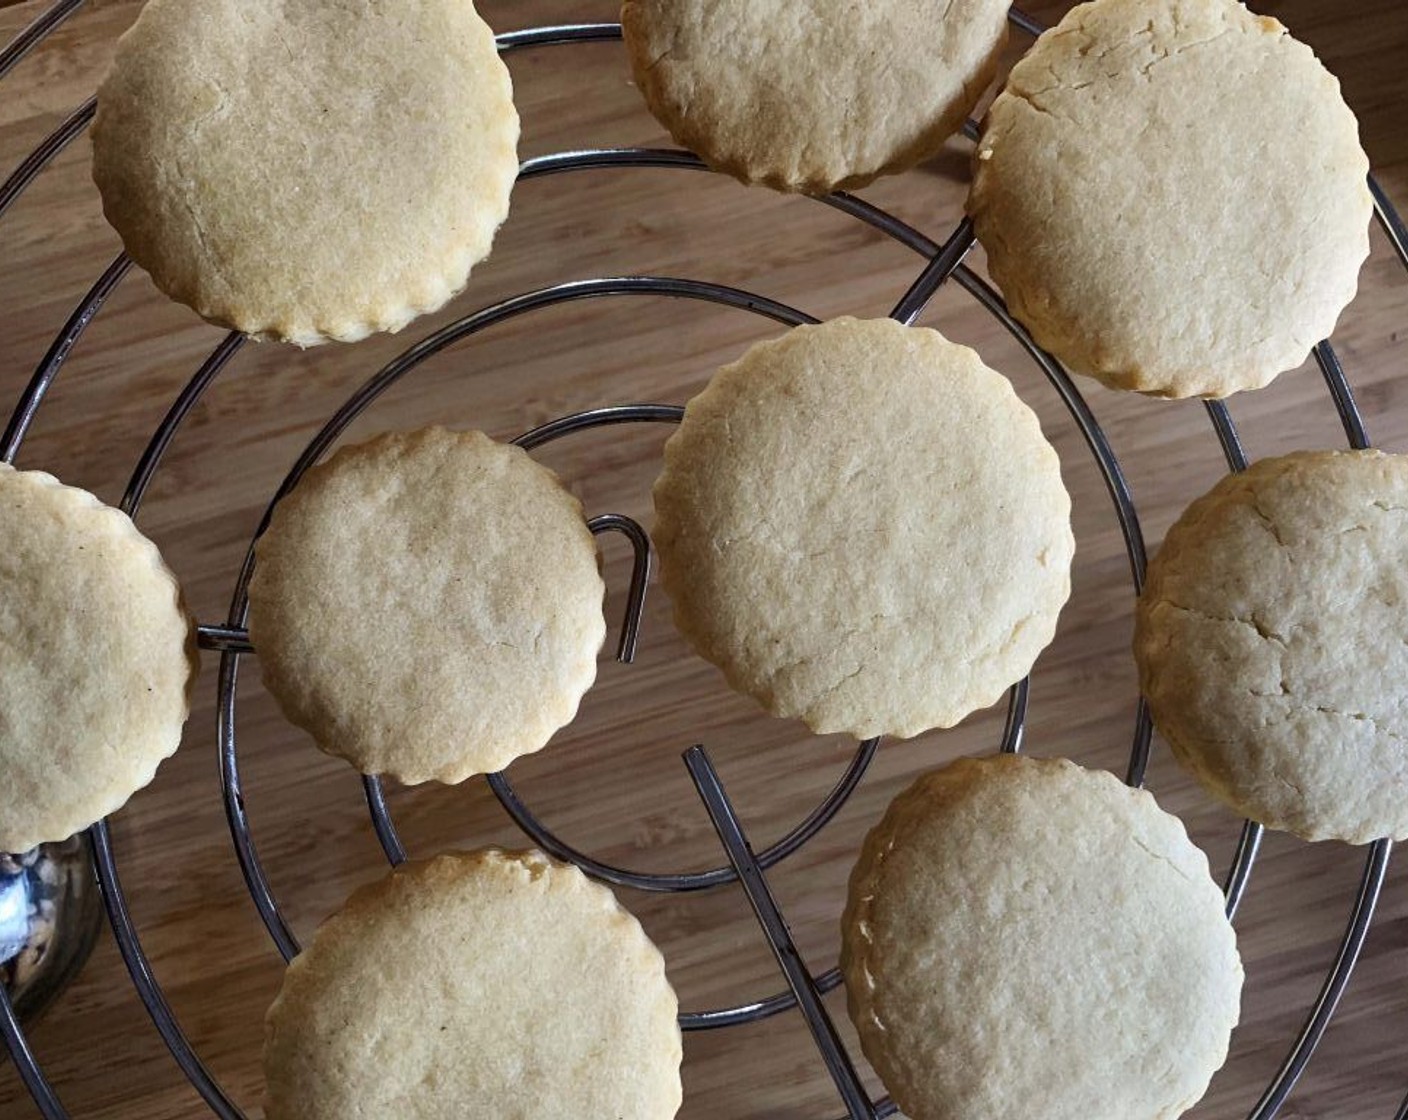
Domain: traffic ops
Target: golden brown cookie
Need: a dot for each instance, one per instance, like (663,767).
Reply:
(1023,930)
(815,96)
(307,170)
(97,660)
(428,605)
(1272,641)
(1172,196)
(864,528)
(477,984)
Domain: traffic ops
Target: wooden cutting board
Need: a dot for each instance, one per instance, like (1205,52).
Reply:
(613,783)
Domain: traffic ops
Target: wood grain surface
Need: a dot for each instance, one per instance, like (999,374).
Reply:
(613,783)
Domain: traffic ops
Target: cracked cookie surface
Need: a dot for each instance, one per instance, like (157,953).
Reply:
(863,526)
(428,605)
(1172,196)
(1272,642)
(1022,930)
(307,170)
(813,96)
(476,984)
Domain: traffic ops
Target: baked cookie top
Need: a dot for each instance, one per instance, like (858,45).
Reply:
(428,605)
(97,660)
(1023,930)
(483,983)
(863,527)
(816,96)
(1172,196)
(307,170)
(1272,642)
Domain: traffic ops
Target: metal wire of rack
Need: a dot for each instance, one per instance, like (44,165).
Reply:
(943,261)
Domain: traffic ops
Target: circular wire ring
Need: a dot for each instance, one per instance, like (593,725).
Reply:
(113,895)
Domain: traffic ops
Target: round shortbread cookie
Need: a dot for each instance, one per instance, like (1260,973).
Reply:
(1172,196)
(812,97)
(1272,642)
(863,527)
(307,170)
(1023,930)
(477,984)
(428,605)
(97,660)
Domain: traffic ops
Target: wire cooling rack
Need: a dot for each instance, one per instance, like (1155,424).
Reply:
(942,261)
